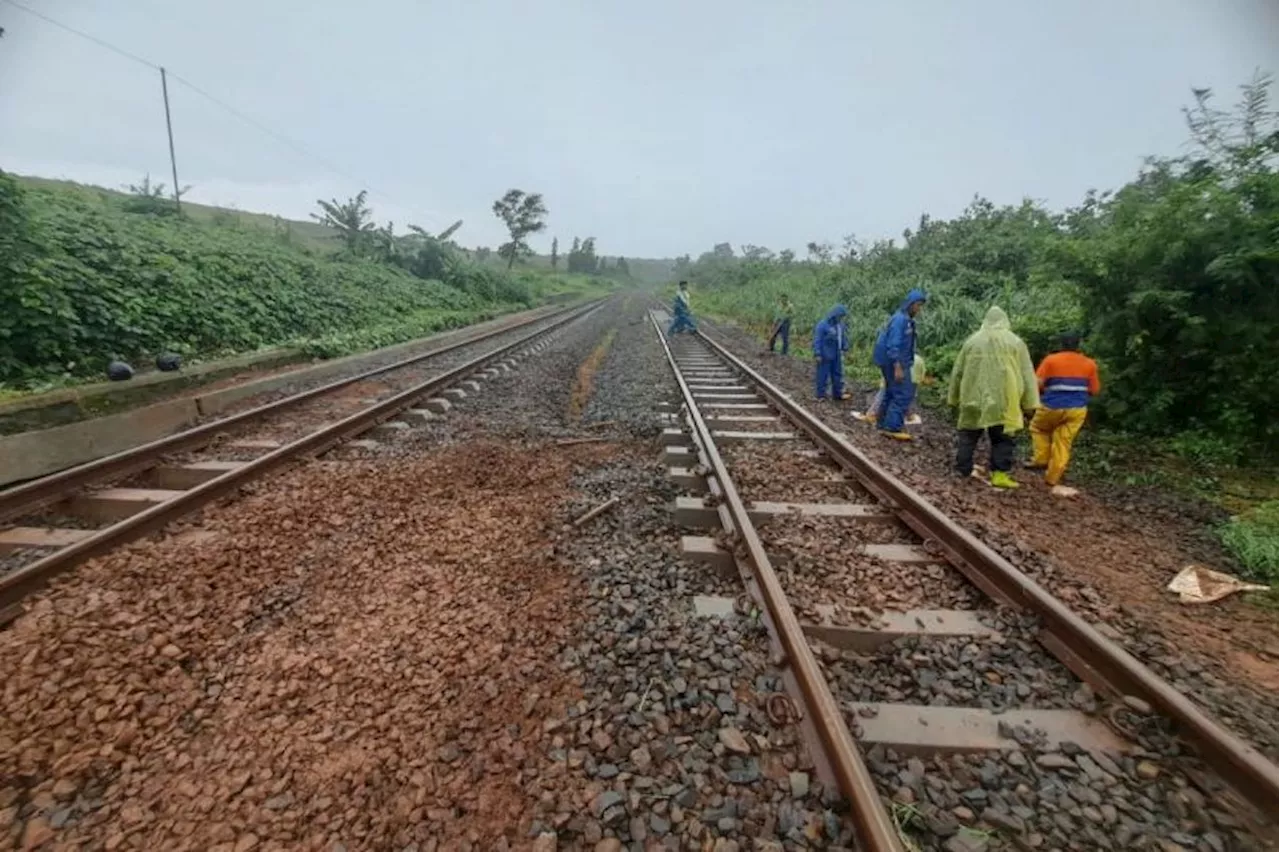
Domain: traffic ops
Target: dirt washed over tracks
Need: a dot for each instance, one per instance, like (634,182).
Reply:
(57,521)
(1029,756)
(672,744)
(413,644)
(357,654)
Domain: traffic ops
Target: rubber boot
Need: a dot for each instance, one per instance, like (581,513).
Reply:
(1000,479)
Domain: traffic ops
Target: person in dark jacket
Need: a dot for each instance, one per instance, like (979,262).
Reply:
(830,342)
(894,354)
(782,325)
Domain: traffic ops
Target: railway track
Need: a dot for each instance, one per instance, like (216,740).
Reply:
(738,443)
(58,521)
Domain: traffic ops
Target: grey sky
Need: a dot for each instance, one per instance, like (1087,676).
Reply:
(659,127)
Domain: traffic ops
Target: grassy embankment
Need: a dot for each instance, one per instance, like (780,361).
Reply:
(92,275)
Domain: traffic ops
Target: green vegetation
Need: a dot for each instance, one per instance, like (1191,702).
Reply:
(1173,278)
(351,219)
(1253,538)
(419,324)
(148,197)
(87,275)
(311,235)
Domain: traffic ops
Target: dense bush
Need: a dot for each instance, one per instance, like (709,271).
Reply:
(939,257)
(1178,277)
(83,280)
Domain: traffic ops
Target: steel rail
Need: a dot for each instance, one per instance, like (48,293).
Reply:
(1069,637)
(29,496)
(19,583)
(870,818)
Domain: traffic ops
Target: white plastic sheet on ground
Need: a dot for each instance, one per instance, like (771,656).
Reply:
(1197,584)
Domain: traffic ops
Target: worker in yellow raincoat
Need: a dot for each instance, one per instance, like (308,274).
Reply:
(993,384)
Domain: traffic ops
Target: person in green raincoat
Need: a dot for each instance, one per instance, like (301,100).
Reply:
(992,385)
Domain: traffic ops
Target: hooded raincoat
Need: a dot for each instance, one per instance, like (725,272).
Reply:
(830,341)
(993,381)
(896,346)
(830,337)
(897,341)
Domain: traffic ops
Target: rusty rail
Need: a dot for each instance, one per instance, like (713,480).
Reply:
(1068,637)
(29,496)
(870,818)
(17,584)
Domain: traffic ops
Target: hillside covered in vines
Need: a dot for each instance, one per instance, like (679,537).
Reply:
(89,275)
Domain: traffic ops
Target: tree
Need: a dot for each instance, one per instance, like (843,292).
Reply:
(786,257)
(448,232)
(1178,273)
(352,219)
(555,253)
(624,268)
(382,243)
(582,257)
(1239,142)
(152,198)
(853,249)
(428,256)
(523,214)
(819,252)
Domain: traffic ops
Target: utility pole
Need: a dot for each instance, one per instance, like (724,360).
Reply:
(168,123)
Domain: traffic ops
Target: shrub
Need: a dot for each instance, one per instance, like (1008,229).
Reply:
(1252,538)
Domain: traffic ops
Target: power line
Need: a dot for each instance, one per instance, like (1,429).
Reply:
(111,47)
(296,147)
(279,137)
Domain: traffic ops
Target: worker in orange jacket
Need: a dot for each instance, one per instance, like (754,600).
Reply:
(1068,378)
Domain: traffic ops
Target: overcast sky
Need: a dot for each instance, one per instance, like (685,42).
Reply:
(660,127)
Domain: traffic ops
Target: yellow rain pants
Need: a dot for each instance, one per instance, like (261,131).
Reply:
(1053,430)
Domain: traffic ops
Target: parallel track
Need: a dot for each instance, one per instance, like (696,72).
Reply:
(1093,658)
(57,488)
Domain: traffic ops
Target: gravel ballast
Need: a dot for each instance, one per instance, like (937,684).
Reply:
(828,579)
(1111,564)
(414,644)
(670,746)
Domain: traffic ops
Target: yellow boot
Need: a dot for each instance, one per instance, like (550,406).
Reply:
(1000,479)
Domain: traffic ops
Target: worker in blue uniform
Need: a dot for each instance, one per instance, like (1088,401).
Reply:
(830,342)
(682,315)
(894,354)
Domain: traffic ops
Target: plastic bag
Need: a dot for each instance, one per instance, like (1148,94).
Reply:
(1198,585)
